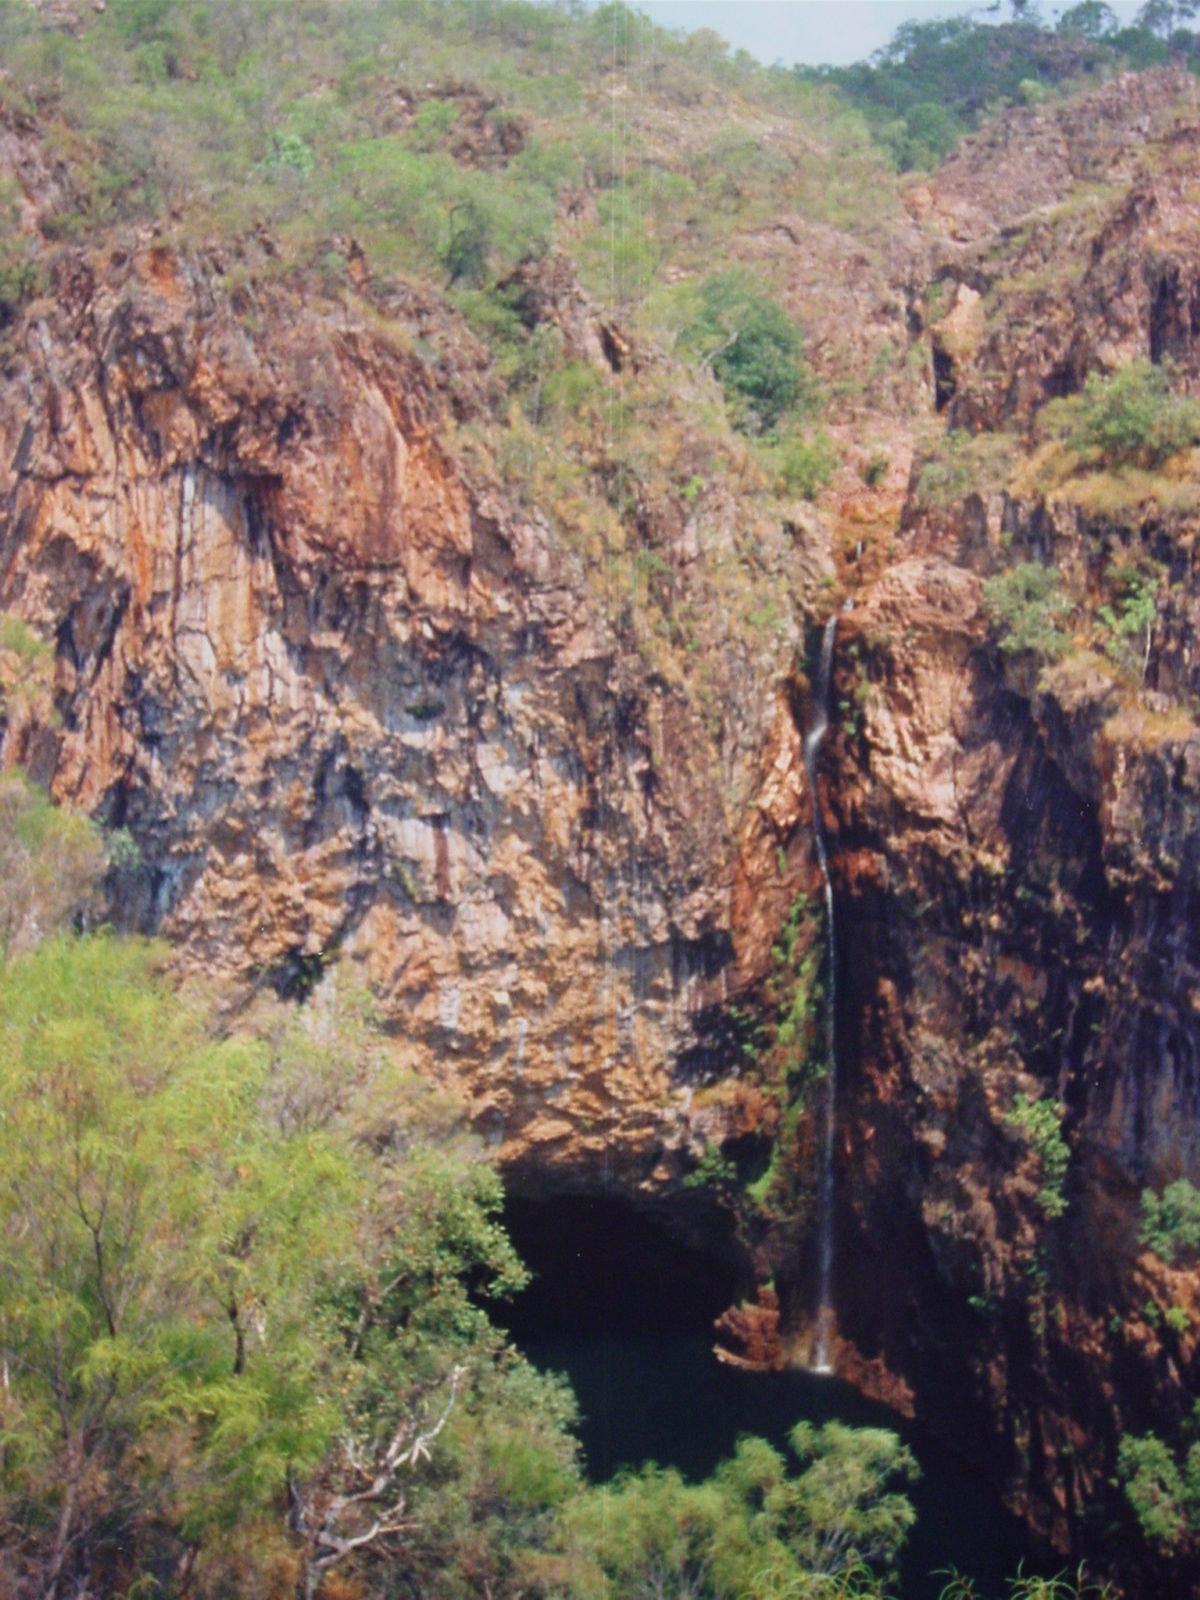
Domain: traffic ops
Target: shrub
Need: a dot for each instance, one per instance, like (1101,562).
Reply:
(754,349)
(432,121)
(1025,606)
(928,133)
(964,464)
(1132,417)
(1130,625)
(805,465)
(1171,1221)
(712,1171)
(466,251)
(833,1528)
(1164,1498)
(290,153)
(1039,1124)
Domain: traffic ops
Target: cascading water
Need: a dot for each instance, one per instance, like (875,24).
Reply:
(823,1326)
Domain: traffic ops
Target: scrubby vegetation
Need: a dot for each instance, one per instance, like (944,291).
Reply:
(1130,417)
(936,80)
(1171,1220)
(1027,606)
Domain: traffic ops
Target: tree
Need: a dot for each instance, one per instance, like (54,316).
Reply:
(1090,19)
(1164,1495)
(1163,17)
(1132,416)
(753,1531)
(233,1273)
(1171,1221)
(753,348)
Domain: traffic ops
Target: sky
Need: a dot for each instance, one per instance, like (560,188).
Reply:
(819,31)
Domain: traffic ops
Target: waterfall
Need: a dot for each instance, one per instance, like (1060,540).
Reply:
(823,1327)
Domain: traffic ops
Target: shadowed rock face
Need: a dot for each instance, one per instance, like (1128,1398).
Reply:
(1017,866)
(348,700)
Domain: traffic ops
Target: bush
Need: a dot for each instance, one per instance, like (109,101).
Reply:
(755,351)
(834,1528)
(1171,1221)
(1165,1499)
(805,465)
(1130,624)
(1025,606)
(1132,417)
(1039,1124)
(928,133)
(963,464)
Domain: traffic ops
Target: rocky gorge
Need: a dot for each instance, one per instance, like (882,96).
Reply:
(364,701)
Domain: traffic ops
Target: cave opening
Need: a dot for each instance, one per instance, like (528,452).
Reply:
(945,383)
(622,1303)
(601,1265)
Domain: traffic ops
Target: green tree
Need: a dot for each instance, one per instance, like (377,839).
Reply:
(1026,606)
(1163,1492)
(1129,417)
(1171,1220)
(230,1269)
(1090,18)
(753,348)
(752,1531)
(1039,1124)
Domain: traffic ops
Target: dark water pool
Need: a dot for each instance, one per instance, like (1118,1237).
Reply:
(626,1313)
(666,1399)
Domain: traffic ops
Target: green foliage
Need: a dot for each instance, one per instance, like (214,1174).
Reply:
(805,465)
(1091,18)
(230,1266)
(467,250)
(963,464)
(752,1531)
(1163,1490)
(753,348)
(1061,1586)
(928,132)
(1171,1221)
(787,1061)
(938,79)
(1130,624)
(712,1171)
(1039,1124)
(288,150)
(433,120)
(1026,605)
(1131,417)
(50,862)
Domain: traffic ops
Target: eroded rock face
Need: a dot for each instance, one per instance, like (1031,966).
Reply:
(1016,874)
(349,700)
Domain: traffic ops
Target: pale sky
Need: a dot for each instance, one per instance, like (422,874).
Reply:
(816,31)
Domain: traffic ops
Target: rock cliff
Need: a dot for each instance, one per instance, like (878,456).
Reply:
(1016,852)
(350,699)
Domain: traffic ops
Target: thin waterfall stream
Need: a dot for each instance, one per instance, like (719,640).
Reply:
(821,1361)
